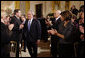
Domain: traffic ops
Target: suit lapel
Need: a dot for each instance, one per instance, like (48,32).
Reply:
(32,24)
(27,23)
(18,21)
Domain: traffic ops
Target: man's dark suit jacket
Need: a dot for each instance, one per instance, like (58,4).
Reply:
(16,30)
(55,23)
(55,26)
(35,31)
(54,38)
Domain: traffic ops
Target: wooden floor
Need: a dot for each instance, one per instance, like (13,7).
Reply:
(43,50)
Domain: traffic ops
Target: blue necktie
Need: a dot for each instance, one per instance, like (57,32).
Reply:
(29,25)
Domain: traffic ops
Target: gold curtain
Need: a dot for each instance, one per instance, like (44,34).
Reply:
(67,5)
(59,4)
(27,3)
(53,6)
(17,4)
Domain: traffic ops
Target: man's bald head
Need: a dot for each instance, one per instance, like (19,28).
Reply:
(57,13)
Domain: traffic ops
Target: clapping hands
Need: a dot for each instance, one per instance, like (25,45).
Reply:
(52,32)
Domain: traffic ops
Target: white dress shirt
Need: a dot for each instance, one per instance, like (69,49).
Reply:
(57,18)
(30,21)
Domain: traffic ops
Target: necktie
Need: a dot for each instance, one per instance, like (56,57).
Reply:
(29,25)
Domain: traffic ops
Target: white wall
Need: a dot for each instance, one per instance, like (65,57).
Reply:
(8,4)
(62,5)
(22,7)
(33,3)
(77,3)
(45,4)
(48,7)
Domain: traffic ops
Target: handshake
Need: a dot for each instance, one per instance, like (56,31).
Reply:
(52,32)
(21,26)
(10,27)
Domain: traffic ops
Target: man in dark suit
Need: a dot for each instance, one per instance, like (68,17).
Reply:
(33,34)
(54,41)
(17,28)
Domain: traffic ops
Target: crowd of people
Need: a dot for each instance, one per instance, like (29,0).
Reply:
(66,30)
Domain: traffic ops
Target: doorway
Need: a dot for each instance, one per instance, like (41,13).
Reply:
(38,10)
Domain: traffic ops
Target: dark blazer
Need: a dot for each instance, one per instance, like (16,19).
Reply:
(5,40)
(68,33)
(54,38)
(35,31)
(16,30)
(55,26)
(55,23)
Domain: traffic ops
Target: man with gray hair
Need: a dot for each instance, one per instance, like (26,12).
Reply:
(54,25)
(32,29)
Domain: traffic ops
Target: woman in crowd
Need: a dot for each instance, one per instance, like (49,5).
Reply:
(74,10)
(74,18)
(7,20)
(81,41)
(80,12)
(65,34)
(5,38)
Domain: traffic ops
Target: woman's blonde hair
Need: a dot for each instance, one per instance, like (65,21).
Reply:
(3,14)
